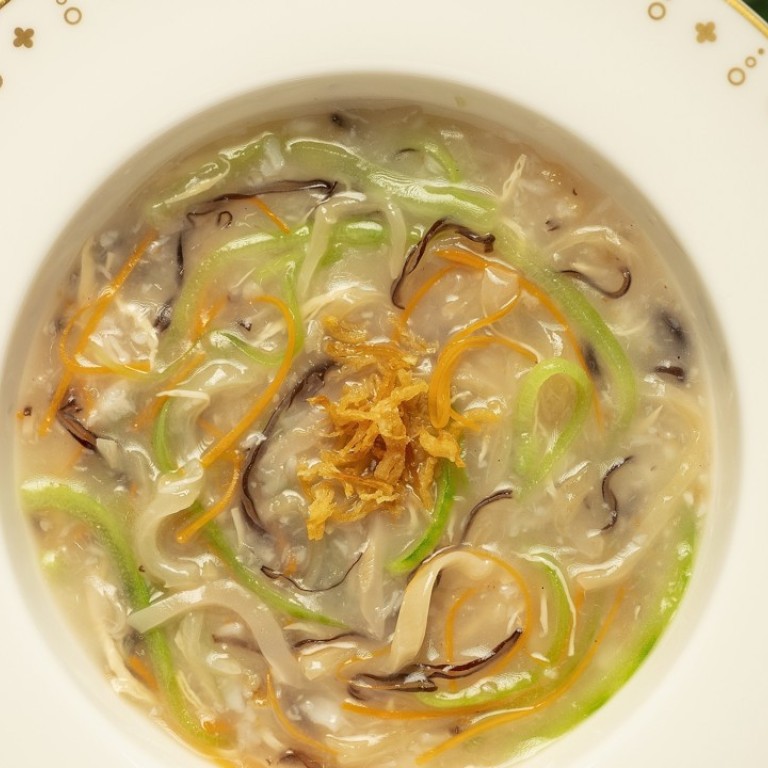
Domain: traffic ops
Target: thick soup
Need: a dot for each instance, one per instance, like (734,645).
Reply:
(367,438)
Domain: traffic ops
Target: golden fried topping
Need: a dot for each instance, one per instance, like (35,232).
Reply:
(383,445)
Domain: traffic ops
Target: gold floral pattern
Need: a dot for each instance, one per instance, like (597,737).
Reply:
(658,11)
(705,33)
(23,38)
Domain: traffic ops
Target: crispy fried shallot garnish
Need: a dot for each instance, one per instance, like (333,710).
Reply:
(382,443)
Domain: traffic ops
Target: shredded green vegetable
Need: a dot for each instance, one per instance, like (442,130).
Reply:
(320,343)
(203,179)
(263,589)
(160,446)
(679,561)
(354,234)
(498,689)
(268,359)
(258,252)
(477,208)
(46,494)
(430,198)
(578,310)
(439,153)
(536,455)
(445,494)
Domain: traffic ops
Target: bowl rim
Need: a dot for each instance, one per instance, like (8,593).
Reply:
(746,442)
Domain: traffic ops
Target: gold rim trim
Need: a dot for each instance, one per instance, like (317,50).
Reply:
(4,2)
(751,16)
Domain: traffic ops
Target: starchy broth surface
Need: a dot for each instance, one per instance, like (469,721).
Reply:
(367,437)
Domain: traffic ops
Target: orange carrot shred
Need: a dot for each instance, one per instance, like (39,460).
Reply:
(189,530)
(450,626)
(109,291)
(494,721)
(420,293)
(291,728)
(479,262)
(270,214)
(99,306)
(153,406)
(440,410)
(205,316)
(227,441)
(140,669)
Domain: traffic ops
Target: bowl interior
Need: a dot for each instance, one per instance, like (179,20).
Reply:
(309,95)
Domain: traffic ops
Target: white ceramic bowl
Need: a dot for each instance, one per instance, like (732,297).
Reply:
(665,101)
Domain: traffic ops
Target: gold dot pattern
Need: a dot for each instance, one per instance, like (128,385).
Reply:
(23,37)
(73,15)
(657,11)
(738,75)
(706,31)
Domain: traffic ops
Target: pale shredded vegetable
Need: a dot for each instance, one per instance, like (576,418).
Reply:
(367,438)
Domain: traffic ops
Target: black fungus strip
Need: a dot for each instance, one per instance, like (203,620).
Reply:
(673,329)
(163,318)
(617,293)
(433,556)
(419,677)
(67,418)
(417,251)
(453,671)
(224,219)
(609,497)
(307,641)
(591,361)
(412,679)
(504,493)
(165,314)
(677,372)
(180,259)
(339,120)
(356,693)
(273,574)
(322,186)
(237,642)
(308,385)
(294,756)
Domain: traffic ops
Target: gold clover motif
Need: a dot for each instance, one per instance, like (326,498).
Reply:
(23,37)
(705,33)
